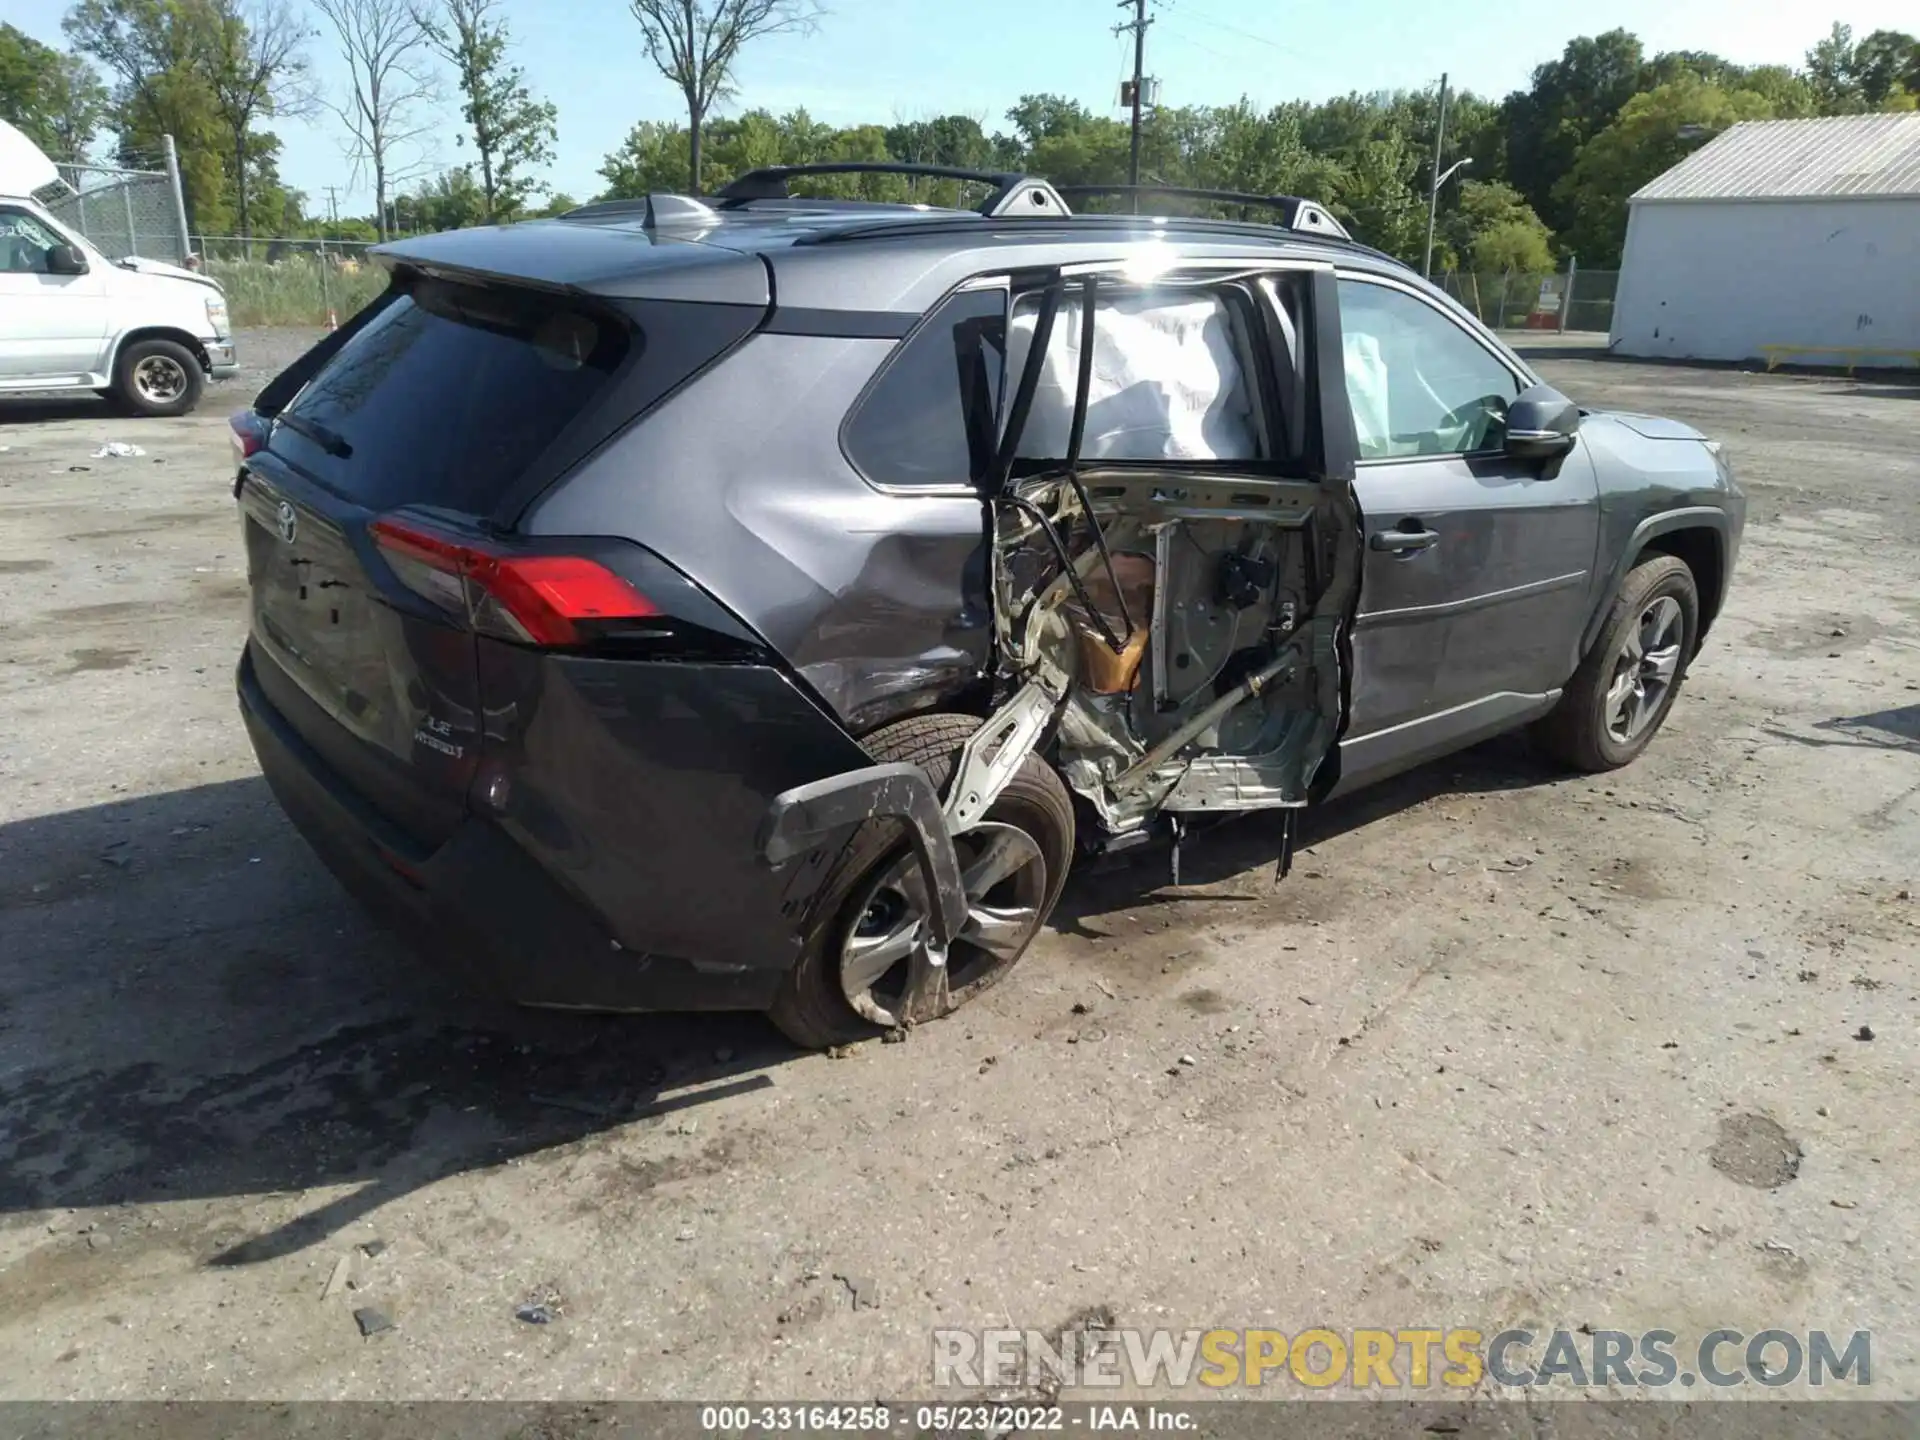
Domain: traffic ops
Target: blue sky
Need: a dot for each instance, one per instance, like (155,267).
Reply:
(908,59)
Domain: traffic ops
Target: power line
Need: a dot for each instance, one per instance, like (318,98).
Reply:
(1187,11)
(1182,35)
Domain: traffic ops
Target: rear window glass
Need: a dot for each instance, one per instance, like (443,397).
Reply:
(928,420)
(449,395)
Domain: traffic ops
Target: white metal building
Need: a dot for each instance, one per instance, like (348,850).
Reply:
(1780,240)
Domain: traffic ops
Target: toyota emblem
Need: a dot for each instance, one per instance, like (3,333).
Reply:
(288,521)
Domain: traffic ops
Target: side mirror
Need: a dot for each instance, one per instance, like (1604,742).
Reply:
(66,260)
(1541,424)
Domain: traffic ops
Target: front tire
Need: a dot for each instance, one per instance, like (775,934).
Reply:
(852,969)
(1624,689)
(158,377)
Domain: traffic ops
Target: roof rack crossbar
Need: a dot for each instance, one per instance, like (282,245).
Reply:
(1295,213)
(1009,187)
(1079,223)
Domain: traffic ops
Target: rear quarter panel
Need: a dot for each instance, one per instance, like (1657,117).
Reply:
(878,600)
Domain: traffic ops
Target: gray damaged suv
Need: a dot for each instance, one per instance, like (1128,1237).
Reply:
(759,602)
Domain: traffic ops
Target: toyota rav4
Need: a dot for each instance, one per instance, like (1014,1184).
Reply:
(759,602)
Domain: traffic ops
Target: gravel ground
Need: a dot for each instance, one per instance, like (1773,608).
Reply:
(1509,1047)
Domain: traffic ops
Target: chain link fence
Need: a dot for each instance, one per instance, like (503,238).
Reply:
(279,281)
(122,212)
(1536,300)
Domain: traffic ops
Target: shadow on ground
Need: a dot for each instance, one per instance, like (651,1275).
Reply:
(1895,729)
(192,1009)
(1238,845)
(32,409)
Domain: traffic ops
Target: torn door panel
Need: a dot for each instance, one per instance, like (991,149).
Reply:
(1224,690)
(1190,610)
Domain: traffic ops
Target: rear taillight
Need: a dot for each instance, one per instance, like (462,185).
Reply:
(249,434)
(533,599)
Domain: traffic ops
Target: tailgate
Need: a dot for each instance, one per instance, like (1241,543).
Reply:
(380,685)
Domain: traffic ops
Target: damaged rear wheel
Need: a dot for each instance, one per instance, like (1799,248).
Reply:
(849,982)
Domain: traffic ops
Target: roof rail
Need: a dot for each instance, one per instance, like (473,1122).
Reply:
(1012,192)
(1295,213)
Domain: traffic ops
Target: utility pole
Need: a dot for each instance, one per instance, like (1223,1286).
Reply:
(333,205)
(1433,185)
(1138,25)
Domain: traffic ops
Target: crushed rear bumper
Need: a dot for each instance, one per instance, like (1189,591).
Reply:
(478,902)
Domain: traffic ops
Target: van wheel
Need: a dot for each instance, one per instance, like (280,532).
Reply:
(1623,690)
(158,377)
(851,975)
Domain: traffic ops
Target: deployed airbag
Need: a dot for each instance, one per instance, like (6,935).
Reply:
(1167,383)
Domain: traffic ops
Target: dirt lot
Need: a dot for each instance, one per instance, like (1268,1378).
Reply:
(1509,1046)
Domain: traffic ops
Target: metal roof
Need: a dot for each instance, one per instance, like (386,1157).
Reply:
(1848,156)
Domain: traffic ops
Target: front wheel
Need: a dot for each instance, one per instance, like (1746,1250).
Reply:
(851,978)
(1624,689)
(158,377)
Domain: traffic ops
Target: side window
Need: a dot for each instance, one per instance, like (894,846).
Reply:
(1418,383)
(1170,379)
(927,421)
(24,243)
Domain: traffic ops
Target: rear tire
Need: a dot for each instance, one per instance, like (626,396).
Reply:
(813,1008)
(158,377)
(1610,710)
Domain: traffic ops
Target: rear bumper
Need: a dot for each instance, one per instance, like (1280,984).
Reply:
(479,902)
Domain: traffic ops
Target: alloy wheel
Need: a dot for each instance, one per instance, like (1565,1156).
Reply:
(1645,669)
(1005,877)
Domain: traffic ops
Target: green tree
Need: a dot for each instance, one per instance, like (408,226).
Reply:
(1095,154)
(1376,198)
(271,208)
(1886,65)
(450,200)
(1569,101)
(1264,154)
(1646,140)
(160,55)
(55,99)
(1043,117)
(1787,93)
(945,140)
(1492,228)
(1831,72)
(256,66)
(696,43)
(654,157)
(513,133)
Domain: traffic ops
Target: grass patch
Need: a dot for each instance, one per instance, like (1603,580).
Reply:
(294,291)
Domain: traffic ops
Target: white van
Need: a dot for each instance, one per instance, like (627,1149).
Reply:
(148,333)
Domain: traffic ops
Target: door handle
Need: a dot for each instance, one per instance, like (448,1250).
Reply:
(1404,541)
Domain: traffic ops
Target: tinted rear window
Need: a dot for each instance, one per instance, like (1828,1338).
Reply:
(450,394)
